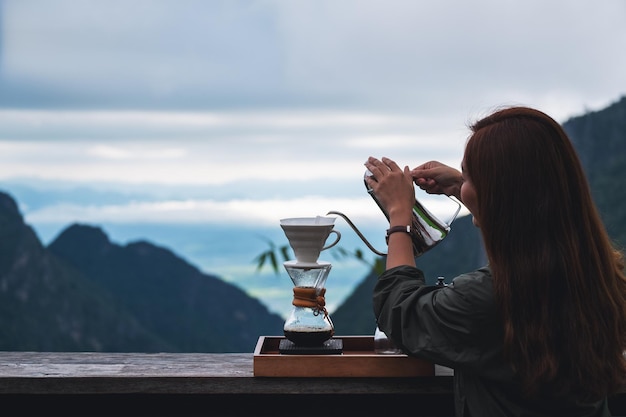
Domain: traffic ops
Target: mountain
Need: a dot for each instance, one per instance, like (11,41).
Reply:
(47,306)
(85,293)
(191,310)
(600,140)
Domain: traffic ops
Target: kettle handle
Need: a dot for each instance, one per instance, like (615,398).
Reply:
(458,209)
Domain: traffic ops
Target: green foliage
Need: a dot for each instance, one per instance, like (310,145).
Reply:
(271,256)
(273,253)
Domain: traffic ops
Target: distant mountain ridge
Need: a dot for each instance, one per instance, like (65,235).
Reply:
(600,140)
(46,306)
(190,310)
(85,293)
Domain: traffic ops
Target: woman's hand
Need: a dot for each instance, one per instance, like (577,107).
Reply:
(437,178)
(393,188)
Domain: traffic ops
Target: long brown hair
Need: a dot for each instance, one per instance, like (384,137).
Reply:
(558,281)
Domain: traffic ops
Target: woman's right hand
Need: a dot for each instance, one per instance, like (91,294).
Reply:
(437,178)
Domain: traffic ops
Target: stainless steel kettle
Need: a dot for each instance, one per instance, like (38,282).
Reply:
(426,229)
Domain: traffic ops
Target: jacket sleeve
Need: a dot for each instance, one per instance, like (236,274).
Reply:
(455,326)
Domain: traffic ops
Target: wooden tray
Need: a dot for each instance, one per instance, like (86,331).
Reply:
(357,360)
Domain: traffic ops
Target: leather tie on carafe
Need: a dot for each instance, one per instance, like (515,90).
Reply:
(311,298)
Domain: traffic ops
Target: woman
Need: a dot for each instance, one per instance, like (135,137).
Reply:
(540,330)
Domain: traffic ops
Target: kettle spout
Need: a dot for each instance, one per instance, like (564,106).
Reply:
(359,234)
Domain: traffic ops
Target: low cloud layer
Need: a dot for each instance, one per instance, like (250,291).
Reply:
(147,102)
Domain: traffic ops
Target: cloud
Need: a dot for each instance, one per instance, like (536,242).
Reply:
(276,100)
(134,153)
(243,212)
(210,148)
(413,57)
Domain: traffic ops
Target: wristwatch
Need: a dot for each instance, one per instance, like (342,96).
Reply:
(395,229)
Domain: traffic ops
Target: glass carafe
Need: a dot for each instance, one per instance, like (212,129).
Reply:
(309,323)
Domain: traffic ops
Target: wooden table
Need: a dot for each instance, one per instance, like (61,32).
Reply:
(187,384)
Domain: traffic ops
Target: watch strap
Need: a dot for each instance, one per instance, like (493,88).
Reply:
(397,229)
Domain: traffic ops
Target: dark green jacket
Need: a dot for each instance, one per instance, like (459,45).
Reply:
(457,326)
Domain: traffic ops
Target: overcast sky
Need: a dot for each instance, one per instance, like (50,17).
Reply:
(277,101)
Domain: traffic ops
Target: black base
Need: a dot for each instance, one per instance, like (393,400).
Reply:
(329,347)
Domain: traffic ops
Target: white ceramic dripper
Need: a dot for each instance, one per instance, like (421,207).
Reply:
(307,236)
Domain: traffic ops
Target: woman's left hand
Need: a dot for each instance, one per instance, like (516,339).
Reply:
(393,187)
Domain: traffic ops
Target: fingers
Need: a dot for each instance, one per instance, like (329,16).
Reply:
(390,164)
(383,165)
(427,169)
(427,176)
(431,176)
(425,184)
